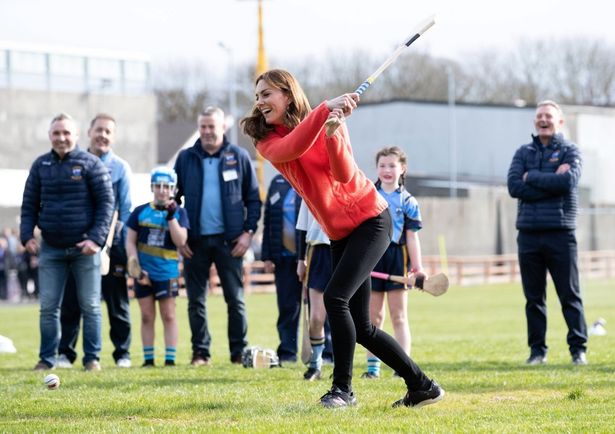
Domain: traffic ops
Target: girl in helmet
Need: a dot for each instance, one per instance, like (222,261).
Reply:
(155,231)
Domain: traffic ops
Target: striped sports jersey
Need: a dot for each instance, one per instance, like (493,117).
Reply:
(157,253)
(404,211)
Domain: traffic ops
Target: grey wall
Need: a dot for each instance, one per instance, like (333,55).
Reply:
(470,226)
(25,116)
(486,137)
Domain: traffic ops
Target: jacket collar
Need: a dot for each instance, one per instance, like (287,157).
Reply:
(68,155)
(104,157)
(198,148)
(556,141)
(399,189)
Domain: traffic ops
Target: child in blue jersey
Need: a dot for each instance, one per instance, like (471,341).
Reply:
(391,165)
(155,231)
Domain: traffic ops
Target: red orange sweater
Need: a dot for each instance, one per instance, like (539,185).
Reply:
(323,172)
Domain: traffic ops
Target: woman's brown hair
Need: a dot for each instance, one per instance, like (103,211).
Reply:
(254,124)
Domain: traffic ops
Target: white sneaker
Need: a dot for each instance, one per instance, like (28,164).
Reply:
(63,362)
(124,362)
(598,328)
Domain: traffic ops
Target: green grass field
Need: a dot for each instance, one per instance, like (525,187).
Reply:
(472,340)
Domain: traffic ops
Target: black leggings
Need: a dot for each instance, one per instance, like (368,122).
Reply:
(347,303)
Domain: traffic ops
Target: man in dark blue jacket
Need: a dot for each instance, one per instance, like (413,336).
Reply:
(217,183)
(68,195)
(544,176)
(113,285)
(279,251)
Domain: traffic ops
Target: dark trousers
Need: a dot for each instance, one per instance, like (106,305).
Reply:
(3,291)
(347,303)
(207,250)
(555,252)
(115,294)
(24,277)
(288,292)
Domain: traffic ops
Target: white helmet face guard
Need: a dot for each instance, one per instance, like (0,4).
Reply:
(165,185)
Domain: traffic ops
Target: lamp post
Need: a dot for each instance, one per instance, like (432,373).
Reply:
(232,91)
(261,66)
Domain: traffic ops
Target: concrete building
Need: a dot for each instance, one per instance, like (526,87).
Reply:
(37,83)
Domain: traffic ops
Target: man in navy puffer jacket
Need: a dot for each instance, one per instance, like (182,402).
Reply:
(544,176)
(68,195)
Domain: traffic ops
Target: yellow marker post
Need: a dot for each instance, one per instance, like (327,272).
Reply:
(261,66)
(443,256)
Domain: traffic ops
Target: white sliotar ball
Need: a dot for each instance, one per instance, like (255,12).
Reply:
(52,381)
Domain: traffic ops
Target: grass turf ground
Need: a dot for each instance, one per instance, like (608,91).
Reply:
(472,340)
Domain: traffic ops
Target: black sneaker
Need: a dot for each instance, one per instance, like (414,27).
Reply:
(169,363)
(312,374)
(337,398)
(148,364)
(421,398)
(370,375)
(536,359)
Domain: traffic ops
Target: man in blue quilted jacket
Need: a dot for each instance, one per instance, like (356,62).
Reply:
(101,135)
(544,176)
(68,195)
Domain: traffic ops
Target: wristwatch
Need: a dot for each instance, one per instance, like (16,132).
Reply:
(250,231)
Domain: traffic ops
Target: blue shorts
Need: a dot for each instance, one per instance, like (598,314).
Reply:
(394,261)
(159,289)
(319,267)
